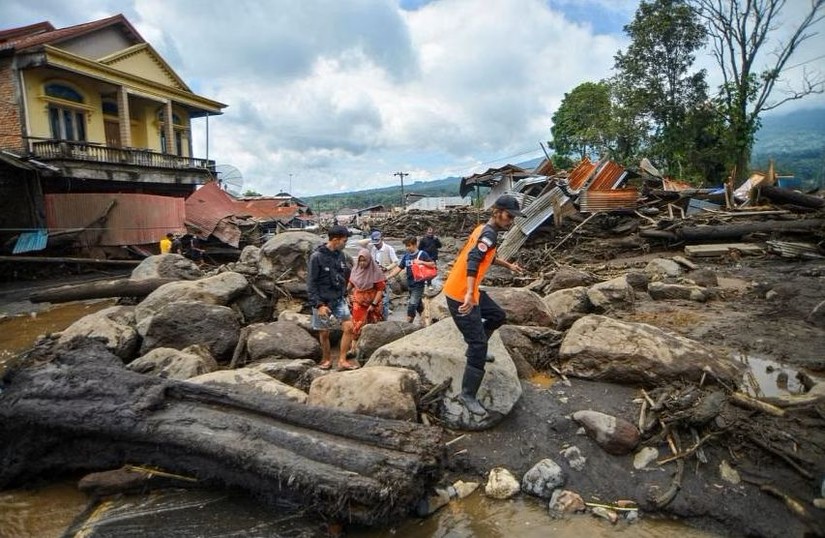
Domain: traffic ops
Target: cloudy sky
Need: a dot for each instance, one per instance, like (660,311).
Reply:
(338,95)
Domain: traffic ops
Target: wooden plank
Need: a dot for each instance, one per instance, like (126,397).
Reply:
(702,251)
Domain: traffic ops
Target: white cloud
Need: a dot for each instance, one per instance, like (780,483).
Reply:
(343,94)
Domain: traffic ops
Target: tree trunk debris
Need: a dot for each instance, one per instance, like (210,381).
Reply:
(81,409)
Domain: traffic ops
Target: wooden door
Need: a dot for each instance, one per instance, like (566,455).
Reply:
(112,129)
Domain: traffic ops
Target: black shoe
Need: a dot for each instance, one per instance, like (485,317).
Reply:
(472,404)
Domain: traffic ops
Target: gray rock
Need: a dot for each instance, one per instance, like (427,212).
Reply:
(254,308)
(381,391)
(543,479)
(661,291)
(523,307)
(660,268)
(705,278)
(613,294)
(286,255)
(566,502)
(436,353)
(501,484)
(281,339)
(574,458)
(376,335)
(172,363)
(638,281)
(568,305)
(602,348)
(568,277)
(115,326)
(166,266)
(181,324)
(645,457)
(289,371)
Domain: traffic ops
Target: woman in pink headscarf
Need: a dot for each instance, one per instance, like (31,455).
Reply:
(366,290)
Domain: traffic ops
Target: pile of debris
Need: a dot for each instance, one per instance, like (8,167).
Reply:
(457,222)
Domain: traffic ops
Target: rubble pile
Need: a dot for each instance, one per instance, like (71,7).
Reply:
(458,222)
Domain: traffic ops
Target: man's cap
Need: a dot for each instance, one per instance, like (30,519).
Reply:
(375,237)
(509,204)
(338,231)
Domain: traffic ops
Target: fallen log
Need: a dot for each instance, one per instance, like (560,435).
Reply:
(736,231)
(82,410)
(121,287)
(786,196)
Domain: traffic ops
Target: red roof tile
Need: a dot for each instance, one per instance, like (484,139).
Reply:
(40,34)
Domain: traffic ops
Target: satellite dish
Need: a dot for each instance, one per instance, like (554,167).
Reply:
(230,179)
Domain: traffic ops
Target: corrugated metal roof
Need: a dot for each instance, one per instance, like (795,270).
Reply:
(582,171)
(207,206)
(266,209)
(592,201)
(535,214)
(130,219)
(31,241)
(610,176)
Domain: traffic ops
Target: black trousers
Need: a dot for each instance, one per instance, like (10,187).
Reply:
(477,326)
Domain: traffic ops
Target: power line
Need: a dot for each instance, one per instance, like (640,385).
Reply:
(803,63)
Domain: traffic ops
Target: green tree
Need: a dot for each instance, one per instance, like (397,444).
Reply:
(655,88)
(250,193)
(582,123)
(740,31)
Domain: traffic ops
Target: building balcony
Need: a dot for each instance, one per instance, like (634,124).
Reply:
(86,151)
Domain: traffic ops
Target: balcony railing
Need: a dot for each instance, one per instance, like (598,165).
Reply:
(84,151)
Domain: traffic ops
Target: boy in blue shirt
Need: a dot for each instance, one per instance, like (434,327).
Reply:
(413,255)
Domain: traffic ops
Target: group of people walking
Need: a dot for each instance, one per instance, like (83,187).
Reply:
(360,296)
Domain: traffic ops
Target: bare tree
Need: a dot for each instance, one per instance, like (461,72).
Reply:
(740,30)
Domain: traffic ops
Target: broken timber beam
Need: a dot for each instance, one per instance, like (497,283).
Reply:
(81,409)
(121,287)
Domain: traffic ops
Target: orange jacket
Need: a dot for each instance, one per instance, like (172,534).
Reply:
(456,285)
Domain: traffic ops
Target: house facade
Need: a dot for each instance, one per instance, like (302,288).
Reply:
(92,108)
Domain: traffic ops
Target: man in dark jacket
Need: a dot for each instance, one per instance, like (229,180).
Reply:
(327,287)
(430,244)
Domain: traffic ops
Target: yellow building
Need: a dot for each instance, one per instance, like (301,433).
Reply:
(94,110)
(93,101)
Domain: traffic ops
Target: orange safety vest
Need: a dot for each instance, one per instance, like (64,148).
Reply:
(456,285)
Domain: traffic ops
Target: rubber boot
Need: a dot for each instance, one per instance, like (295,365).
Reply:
(469,389)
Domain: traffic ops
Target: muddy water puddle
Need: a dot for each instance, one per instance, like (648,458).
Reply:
(60,510)
(19,332)
(765,377)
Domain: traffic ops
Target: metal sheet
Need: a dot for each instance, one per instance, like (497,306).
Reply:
(31,241)
(593,201)
(134,219)
(207,206)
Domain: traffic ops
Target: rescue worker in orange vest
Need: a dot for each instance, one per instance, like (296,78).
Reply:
(474,313)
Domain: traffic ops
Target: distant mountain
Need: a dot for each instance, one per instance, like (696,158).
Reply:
(795,141)
(391,196)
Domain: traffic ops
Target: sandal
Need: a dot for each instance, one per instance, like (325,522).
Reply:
(349,366)
(326,365)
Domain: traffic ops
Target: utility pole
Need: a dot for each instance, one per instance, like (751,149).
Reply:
(403,200)
(290,184)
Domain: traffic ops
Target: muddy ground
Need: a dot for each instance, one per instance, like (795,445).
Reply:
(759,311)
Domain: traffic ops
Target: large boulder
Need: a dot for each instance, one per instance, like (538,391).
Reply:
(220,289)
(289,371)
(286,255)
(436,353)
(115,326)
(381,391)
(569,277)
(531,348)
(251,379)
(376,335)
(612,294)
(568,305)
(166,266)
(523,306)
(281,340)
(182,324)
(660,268)
(172,363)
(606,349)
